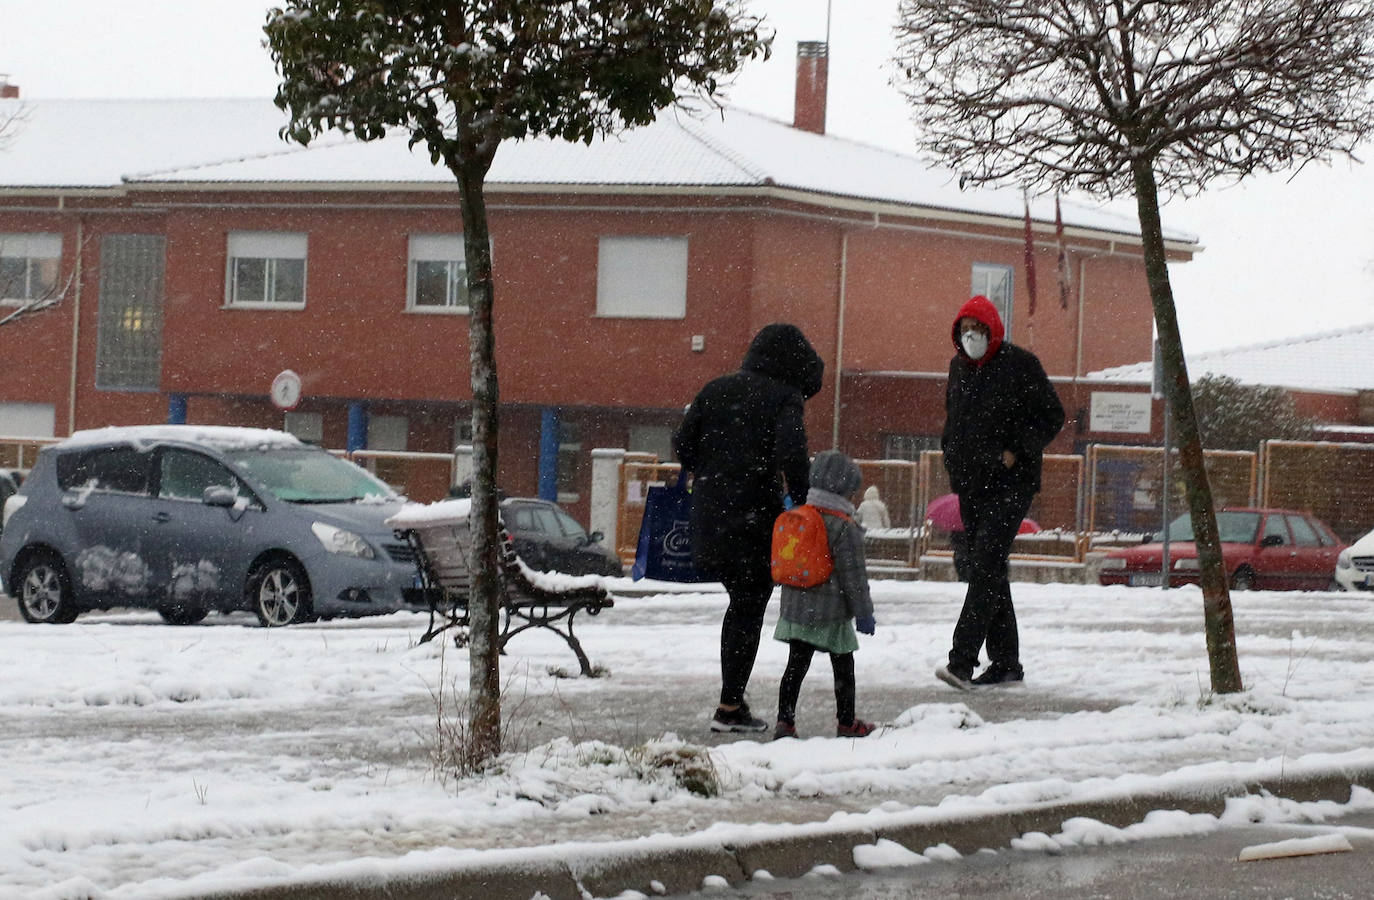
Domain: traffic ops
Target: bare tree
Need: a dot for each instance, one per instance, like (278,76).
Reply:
(461,76)
(1120,97)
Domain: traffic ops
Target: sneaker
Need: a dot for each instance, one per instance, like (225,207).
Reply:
(784,730)
(997,675)
(856,729)
(737,720)
(960,681)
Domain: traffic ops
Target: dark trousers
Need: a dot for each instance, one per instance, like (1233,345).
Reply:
(990,523)
(740,630)
(958,542)
(798,662)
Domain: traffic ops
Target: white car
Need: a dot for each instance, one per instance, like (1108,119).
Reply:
(1355,565)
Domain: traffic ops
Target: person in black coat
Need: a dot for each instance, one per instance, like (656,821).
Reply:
(1000,412)
(744,442)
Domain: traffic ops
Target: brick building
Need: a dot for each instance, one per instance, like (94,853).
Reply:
(164,260)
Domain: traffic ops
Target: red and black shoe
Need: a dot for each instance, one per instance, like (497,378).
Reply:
(856,729)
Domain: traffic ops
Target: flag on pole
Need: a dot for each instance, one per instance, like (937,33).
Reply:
(1064,287)
(1030,254)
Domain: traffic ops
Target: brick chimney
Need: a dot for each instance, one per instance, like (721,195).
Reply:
(8,91)
(813,58)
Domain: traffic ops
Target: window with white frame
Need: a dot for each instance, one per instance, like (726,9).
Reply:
(266,269)
(387,432)
(994,282)
(308,426)
(28,266)
(908,446)
(28,419)
(438,274)
(570,460)
(462,431)
(655,439)
(641,277)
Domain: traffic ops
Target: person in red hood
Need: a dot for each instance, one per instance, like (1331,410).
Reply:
(1000,412)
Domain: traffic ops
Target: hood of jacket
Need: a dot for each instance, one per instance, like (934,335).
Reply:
(781,351)
(982,309)
(871,493)
(835,472)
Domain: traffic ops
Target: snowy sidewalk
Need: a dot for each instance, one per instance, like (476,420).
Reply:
(150,761)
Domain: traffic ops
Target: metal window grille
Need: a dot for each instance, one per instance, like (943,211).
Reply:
(129,341)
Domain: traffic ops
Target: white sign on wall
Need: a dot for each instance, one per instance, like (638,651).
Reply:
(1120,412)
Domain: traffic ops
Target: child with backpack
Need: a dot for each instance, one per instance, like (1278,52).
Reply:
(824,590)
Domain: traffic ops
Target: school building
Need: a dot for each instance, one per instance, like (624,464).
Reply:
(166,260)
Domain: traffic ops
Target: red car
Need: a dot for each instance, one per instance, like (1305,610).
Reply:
(1265,549)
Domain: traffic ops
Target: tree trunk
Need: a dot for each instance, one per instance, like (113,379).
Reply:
(484,602)
(1216,598)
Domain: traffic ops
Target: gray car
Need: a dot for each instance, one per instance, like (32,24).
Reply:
(188,519)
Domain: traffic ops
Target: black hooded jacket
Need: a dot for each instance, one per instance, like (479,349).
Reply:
(743,439)
(1003,401)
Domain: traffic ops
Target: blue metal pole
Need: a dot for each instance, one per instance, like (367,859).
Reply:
(548,453)
(357,426)
(176,409)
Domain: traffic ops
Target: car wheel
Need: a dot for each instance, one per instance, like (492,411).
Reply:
(182,613)
(280,592)
(1243,580)
(45,591)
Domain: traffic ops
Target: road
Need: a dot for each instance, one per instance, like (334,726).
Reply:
(1192,867)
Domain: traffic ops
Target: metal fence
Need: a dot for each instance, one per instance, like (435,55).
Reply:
(1056,509)
(1125,485)
(1335,482)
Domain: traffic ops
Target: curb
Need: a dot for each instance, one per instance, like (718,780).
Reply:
(607,870)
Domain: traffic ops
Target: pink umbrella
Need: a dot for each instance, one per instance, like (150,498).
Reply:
(943,512)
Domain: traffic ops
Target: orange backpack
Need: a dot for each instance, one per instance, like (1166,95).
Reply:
(801,550)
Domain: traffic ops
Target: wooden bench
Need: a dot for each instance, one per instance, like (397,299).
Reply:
(441,538)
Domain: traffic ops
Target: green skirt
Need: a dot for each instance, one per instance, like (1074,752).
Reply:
(832,637)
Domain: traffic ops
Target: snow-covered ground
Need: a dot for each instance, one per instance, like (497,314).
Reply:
(143,760)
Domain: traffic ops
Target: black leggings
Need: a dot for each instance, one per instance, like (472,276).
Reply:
(740,631)
(798,661)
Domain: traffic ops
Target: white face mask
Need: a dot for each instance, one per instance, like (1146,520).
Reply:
(975,344)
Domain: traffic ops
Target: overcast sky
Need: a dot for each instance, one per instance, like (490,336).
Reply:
(1283,257)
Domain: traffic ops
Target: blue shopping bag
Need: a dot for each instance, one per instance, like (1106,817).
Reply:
(664,552)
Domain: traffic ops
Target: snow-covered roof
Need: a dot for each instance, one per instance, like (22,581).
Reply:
(224,437)
(1333,361)
(234,143)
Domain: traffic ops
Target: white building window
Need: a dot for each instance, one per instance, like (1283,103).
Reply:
(642,277)
(266,269)
(994,282)
(27,419)
(387,432)
(908,446)
(308,426)
(28,266)
(655,439)
(462,431)
(438,274)
(570,460)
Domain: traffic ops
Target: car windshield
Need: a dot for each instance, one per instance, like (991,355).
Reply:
(309,475)
(1234,527)
(570,526)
